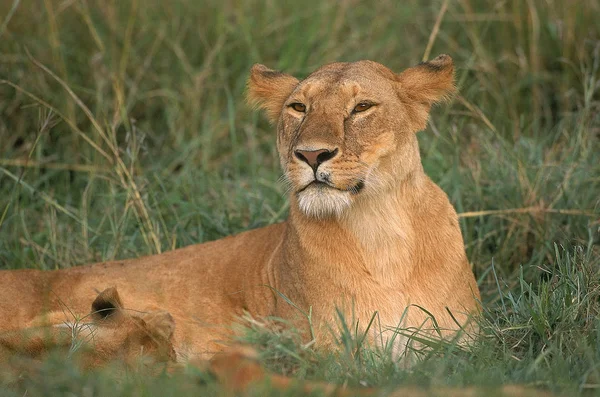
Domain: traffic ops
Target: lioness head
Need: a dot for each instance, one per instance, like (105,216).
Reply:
(347,131)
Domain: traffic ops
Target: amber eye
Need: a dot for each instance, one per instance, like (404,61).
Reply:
(361,107)
(298,107)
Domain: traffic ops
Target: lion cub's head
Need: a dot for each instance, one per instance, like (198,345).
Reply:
(108,333)
(347,131)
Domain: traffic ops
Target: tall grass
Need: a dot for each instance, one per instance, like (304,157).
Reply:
(123,132)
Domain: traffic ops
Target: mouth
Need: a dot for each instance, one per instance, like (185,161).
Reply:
(324,185)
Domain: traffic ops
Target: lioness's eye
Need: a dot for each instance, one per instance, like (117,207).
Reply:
(298,107)
(361,107)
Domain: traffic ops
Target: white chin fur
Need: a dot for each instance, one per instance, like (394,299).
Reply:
(320,202)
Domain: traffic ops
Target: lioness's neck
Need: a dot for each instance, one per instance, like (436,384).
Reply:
(375,235)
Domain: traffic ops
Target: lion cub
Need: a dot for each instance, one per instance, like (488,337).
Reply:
(369,236)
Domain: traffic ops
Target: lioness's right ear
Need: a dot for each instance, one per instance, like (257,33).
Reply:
(268,89)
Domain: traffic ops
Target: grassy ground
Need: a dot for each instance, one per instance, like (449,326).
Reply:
(123,132)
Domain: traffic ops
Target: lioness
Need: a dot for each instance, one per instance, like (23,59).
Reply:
(368,232)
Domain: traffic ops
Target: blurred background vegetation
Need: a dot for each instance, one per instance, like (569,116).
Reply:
(124,132)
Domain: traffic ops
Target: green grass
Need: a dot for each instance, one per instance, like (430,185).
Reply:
(124,132)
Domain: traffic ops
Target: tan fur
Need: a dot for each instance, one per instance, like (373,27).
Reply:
(108,333)
(376,236)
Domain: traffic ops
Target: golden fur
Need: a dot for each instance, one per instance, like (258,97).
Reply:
(375,234)
(108,333)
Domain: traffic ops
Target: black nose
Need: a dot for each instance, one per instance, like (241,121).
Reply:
(315,157)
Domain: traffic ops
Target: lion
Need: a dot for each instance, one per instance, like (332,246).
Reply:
(107,334)
(369,240)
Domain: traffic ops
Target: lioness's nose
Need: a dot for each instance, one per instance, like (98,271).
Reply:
(315,157)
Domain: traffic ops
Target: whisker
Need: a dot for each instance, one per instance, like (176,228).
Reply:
(287,184)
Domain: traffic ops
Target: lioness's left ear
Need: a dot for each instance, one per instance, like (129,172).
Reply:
(425,84)
(268,89)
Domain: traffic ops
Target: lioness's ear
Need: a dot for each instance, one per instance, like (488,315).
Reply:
(425,84)
(107,303)
(268,89)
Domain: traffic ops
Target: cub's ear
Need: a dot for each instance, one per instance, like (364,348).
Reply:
(268,89)
(160,324)
(107,304)
(425,84)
